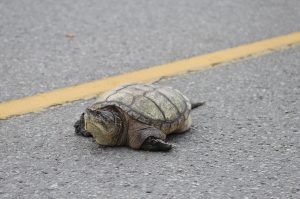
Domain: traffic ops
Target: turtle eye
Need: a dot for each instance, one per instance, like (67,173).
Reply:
(94,112)
(97,112)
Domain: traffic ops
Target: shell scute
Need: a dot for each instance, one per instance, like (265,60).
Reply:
(175,98)
(165,106)
(148,108)
(121,97)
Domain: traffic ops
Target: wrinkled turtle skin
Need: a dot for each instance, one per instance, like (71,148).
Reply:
(137,115)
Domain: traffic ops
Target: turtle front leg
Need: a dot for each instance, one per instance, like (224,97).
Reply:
(146,137)
(79,127)
(155,144)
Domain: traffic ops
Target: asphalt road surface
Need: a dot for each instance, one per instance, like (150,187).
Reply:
(244,143)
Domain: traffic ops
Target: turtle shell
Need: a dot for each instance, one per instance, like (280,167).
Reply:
(163,107)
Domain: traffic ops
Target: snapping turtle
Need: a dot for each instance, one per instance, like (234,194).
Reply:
(138,115)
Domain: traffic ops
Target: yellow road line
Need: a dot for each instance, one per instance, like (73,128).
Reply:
(91,89)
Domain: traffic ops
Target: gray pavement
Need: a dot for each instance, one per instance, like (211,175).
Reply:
(114,37)
(245,142)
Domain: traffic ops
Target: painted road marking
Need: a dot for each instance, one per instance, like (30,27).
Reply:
(91,89)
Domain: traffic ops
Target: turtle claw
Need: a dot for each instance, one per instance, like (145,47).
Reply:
(155,144)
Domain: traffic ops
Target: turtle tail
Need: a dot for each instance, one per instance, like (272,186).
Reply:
(197,104)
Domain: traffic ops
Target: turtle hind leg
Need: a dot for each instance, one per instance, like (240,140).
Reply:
(79,127)
(155,144)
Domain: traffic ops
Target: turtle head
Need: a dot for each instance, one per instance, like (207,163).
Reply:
(104,125)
